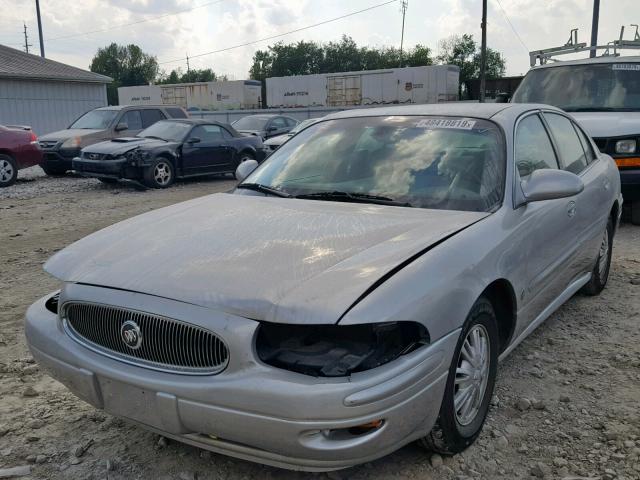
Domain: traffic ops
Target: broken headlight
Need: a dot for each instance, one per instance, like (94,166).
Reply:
(337,350)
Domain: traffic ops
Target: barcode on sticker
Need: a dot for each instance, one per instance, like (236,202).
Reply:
(443,123)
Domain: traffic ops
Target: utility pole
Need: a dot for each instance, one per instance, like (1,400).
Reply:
(40,28)
(594,27)
(26,39)
(404,6)
(188,63)
(483,52)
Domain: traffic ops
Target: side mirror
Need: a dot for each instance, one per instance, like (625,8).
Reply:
(193,140)
(550,184)
(245,169)
(122,126)
(272,128)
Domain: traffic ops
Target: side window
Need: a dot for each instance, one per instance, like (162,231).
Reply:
(133,119)
(586,145)
(151,116)
(225,134)
(176,112)
(533,147)
(207,133)
(278,122)
(572,155)
(290,122)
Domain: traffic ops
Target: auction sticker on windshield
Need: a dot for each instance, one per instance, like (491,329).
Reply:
(463,124)
(626,66)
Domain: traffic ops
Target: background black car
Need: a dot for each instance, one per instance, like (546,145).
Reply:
(167,150)
(265,126)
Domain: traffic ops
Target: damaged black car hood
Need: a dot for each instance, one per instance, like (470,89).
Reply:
(274,259)
(119,146)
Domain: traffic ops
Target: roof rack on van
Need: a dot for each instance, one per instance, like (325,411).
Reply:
(572,46)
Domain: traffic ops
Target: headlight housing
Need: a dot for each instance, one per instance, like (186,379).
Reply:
(337,350)
(626,146)
(73,142)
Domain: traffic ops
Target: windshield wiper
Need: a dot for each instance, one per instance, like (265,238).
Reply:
(258,187)
(353,197)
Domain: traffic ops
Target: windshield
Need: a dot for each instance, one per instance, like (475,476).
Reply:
(251,123)
(95,119)
(594,87)
(166,130)
(431,162)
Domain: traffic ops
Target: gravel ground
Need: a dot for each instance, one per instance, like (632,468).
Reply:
(567,401)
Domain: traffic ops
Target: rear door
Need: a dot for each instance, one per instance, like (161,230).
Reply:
(548,227)
(211,154)
(133,120)
(151,116)
(591,208)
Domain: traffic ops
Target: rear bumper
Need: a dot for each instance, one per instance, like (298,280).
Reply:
(29,157)
(630,184)
(250,410)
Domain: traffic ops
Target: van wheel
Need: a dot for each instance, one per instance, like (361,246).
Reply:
(469,388)
(8,171)
(160,174)
(600,273)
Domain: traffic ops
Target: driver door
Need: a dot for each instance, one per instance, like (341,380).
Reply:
(206,151)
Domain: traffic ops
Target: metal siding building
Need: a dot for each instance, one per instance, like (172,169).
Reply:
(45,94)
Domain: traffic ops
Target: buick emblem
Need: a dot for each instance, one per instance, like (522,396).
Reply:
(131,334)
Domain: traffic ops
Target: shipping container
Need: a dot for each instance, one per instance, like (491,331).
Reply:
(432,84)
(201,96)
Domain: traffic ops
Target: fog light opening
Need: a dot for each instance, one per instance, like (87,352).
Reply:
(366,427)
(355,431)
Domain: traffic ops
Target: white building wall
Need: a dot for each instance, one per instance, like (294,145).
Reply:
(47,106)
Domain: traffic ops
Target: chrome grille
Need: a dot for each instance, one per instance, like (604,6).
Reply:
(48,144)
(167,344)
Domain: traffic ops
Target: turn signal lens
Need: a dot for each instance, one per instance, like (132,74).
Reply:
(628,162)
(626,146)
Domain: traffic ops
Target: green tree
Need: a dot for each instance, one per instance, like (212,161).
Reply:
(192,76)
(464,52)
(126,64)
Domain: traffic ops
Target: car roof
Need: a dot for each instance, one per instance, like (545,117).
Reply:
(122,107)
(589,61)
(457,109)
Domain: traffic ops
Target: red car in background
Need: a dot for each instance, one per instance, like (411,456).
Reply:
(18,149)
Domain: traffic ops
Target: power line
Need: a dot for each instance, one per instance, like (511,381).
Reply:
(122,25)
(506,17)
(282,34)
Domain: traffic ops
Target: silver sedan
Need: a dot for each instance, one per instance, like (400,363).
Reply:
(353,294)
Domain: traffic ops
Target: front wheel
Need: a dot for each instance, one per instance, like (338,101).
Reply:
(8,171)
(600,272)
(470,383)
(160,174)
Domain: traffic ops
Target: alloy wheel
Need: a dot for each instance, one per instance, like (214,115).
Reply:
(6,171)
(472,375)
(162,173)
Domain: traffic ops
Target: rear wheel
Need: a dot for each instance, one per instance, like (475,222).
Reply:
(600,273)
(160,174)
(8,171)
(635,212)
(470,383)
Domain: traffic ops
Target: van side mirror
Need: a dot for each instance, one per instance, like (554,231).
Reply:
(550,184)
(122,126)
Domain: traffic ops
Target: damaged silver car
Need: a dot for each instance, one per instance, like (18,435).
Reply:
(353,294)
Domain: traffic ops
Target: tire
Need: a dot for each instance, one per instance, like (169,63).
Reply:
(600,273)
(53,171)
(8,171)
(160,174)
(635,212)
(108,181)
(455,429)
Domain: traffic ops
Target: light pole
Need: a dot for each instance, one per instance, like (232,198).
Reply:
(483,52)
(405,5)
(594,27)
(40,28)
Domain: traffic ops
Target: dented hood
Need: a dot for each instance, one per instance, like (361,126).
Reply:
(265,258)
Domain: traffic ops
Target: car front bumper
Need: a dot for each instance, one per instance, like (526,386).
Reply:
(250,410)
(630,184)
(119,168)
(61,158)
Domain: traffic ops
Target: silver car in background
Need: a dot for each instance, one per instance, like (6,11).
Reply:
(273,143)
(352,295)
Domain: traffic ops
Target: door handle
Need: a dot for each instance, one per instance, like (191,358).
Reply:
(571,209)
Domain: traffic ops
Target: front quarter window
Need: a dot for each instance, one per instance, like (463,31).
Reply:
(430,162)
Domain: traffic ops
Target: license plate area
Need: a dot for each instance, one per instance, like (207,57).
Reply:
(128,401)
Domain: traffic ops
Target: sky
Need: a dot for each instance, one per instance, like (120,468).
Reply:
(514,26)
